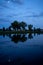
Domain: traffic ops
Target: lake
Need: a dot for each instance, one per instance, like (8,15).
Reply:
(21,49)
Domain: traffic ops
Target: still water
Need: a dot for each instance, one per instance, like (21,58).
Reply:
(21,49)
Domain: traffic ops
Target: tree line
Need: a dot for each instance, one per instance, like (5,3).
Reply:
(19,26)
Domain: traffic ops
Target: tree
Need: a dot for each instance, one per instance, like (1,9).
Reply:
(14,25)
(9,28)
(34,29)
(23,25)
(3,28)
(38,29)
(30,27)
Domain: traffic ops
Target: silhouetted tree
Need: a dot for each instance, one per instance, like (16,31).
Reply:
(23,25)
(38,29)
(3,28)
(30,27)
(15,25)
(9,28)
(34,29)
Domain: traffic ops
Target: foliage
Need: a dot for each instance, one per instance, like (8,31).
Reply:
(3,28)
(30,27)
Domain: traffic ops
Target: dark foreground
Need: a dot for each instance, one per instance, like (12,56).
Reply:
(21,49)
(38,61)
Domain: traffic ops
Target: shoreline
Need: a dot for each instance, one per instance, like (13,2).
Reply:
(20,32)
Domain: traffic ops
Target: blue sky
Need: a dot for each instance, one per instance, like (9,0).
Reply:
(30,11)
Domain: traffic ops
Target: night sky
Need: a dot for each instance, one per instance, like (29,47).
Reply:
(30,11)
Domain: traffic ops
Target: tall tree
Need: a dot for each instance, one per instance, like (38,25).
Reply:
(9,28)
(23,25)
(15,25)
(30,27)
(3,28)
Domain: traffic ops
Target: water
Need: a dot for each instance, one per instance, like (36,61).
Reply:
(21,49)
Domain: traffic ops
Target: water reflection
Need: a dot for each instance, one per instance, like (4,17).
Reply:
(21,54)
(30,36)
(20,37)
(3,35)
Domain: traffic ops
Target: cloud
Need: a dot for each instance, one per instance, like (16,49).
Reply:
(15,1)
(18,1)
(3,4)
(35,15)
(12,15)
(10,3)
(4,20)
(23,15)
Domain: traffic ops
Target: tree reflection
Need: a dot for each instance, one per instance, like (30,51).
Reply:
(15,38)
(23,38)
(3,35)
(18,38)
(30,36)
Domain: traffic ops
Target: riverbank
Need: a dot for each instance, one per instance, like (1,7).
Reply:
(20,32)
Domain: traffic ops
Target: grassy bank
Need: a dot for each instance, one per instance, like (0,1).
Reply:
(13,32)
(19,32)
